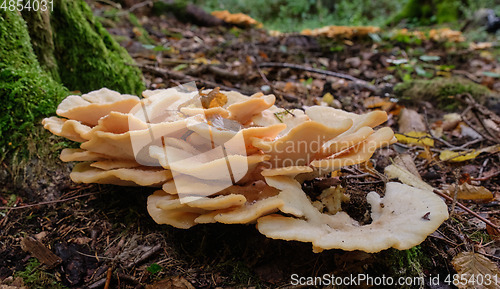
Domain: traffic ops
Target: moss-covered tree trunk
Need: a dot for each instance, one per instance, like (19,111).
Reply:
(43,55)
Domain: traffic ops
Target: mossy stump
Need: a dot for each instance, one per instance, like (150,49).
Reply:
(44,55)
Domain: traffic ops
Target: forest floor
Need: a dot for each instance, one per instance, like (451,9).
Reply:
(104,233)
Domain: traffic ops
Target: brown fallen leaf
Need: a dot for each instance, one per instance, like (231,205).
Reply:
(495,234)
(474,271)
(470,192)
(410,120)
(177,282)
(406,161)
(11,283)
(82,240)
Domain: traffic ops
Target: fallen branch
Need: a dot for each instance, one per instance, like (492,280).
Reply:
(224,73)
(145,256)
(495,227)
(358,81)
(187,78)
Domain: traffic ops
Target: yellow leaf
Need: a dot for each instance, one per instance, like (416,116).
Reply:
(201,60)
(328,98)
(452,156)
(415,137)
(470,192)
(474,270)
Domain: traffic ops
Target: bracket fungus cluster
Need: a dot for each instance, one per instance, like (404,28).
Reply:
(235,159)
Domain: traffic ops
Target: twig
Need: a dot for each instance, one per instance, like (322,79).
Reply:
(128,278)
(361,82)
(495,227)
(464,118)
(94,256)
(111,3)
(485,127)
(358,176)
(223,72)
(469,100)
(108,278)
(466,74)
(465,145)
(489,255)
(170,74)
(139,5)
(144,256)
(97,284)
(429,131)
(487,177)
(283,96)
(47,203)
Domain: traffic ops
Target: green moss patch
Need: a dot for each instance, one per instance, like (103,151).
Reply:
(88,57)
(441,91)
(27,93)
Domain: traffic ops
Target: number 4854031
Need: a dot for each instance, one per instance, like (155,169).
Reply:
(29,5)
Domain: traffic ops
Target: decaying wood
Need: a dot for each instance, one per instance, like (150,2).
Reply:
(39,251)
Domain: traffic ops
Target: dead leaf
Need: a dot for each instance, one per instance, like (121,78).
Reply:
(453,156)
(410,121)
(82,240)
(11,283)
(289,87)
(474,270)
(416,138)
(177,282)
(451,121)
(406,177)
(480,45)
(406,161)
(493,232)
(213,99)
(378,102)
(469,192)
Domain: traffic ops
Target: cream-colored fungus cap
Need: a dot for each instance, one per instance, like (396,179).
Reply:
(221,156)
(90,107)
(403,218)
